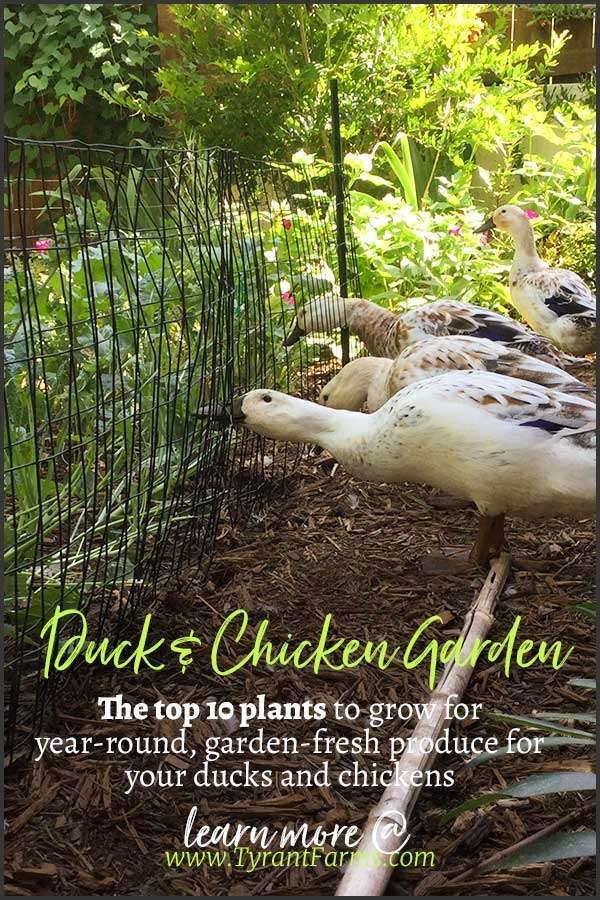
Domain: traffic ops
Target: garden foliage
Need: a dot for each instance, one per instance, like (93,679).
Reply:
(63,59)
(439,73)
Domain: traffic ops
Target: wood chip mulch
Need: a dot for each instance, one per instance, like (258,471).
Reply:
(329,544)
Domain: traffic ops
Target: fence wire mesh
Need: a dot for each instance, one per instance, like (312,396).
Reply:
(141,285)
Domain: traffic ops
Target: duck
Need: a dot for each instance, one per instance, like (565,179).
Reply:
(386,334)
(557,303)
(369,381)
(510,446)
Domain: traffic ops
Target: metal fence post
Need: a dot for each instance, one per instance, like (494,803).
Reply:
(340,216)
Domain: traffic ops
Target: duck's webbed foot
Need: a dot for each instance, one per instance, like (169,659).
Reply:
(452,563)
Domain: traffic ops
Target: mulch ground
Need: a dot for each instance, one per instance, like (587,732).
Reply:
(329,544)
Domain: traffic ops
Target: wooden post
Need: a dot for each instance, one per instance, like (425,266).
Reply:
(340,218)
(369,879)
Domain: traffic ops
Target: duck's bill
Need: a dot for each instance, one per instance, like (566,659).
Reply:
(220,414)
(487,226)
(294,336)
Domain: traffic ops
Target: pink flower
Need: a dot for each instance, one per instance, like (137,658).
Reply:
(43,244)
(532,214)
(456,230)
(288,297)
(287,224)
(485,238)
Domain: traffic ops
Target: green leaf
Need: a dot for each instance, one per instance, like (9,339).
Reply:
(543,743)
(564,845)
(590,607)
(534,786)
(62,88)
(109,69)
(552,783)
(38,82)
(468,805)
(564,716)
(77,94)
(374,179)
(402,168)
(540,724)
(583,682)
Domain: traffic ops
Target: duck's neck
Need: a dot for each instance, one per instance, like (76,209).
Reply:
(343,311)
(370,322)
(526,257)
(340,431)
(304,422)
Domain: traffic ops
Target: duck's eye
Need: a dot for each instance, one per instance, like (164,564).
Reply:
(325,398)
(267,398)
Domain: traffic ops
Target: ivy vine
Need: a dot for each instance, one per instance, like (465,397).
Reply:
(63,60)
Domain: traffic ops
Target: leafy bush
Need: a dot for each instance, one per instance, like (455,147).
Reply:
(257,77)
(561,12)
(573,247)
(416,246)
(564,186)
(413,252)
(64,57)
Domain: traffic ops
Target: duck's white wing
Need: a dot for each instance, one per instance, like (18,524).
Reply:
(449,353)
(561,291)
(526,405)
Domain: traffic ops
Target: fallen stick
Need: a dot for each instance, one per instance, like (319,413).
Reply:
(525,842)
(369,872)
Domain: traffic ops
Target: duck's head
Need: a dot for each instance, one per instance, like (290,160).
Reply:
(350,387)
(280,417)
(322,314)
(508,218)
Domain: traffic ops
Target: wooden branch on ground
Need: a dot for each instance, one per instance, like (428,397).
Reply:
(368,874)
(525,842)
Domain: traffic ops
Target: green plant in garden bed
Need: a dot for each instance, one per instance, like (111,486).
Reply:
(564,186)
(111,416)
(413,255)
(564,730)
(573,247)
(415,242)
(128,337)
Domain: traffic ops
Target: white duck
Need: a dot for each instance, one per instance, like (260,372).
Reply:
(508,445)
(371,380)
(555,302)
(386,334)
